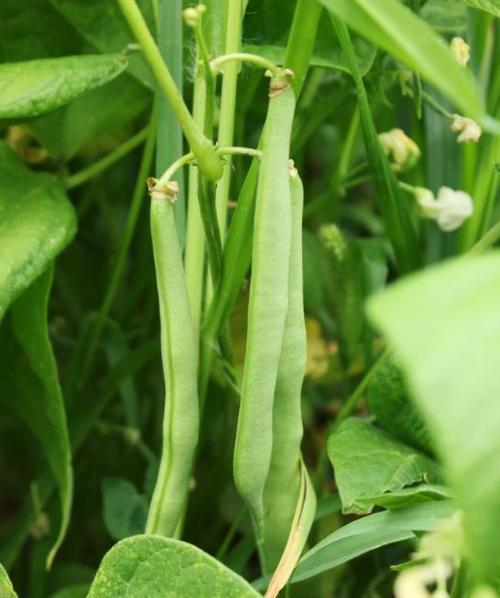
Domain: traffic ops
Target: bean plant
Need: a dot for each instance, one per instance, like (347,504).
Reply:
(250,298)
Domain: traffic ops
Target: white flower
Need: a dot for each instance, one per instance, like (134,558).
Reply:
(426,202)
(460,50)
(402,150)
(449,210)
(413,582)
(454,208)
(469,130)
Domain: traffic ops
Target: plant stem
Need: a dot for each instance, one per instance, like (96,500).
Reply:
(228,106)
(169,145)
(488,240)
(301,40)
(119,264)
(228,59)
(352,401)
(84,175)
(195,239)
(208,160)
(436,105)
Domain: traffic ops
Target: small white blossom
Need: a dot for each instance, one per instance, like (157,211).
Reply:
(449,210)
(454,208)
(469,130)
(460,50)
(402,150)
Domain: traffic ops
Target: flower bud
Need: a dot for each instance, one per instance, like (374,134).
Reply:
(460,50)
(400,149)
(469,130)
(192,15)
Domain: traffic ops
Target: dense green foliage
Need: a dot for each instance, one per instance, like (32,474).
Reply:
(279,373)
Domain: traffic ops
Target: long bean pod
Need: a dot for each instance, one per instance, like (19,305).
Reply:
(282,489)
(268,303)
(181,418)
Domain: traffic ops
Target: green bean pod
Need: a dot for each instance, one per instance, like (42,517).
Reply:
(268,303)
(282,489)
(178,349)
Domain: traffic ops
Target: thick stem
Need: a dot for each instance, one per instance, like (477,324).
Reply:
(195,239)
(301,40)
(169,146)
(206,156)
(228,107)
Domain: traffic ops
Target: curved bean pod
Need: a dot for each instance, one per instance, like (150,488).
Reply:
(181,418)
(282,488)
(268,303)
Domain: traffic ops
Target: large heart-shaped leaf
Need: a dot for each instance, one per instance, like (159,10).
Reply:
(6,589)
(29,384)
(370,466)
(36,223)
(35,87)
(445,327)
(397,30)
(158,567)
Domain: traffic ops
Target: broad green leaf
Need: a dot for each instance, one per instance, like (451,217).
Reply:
(329,58)
(125,510)
(76,591)
(36,223)
(397,30)
(102,24)
(27,32)
(93,117)
(30,385)
(388,399)
(445,327)
(369,533)
(6,589)
(446,16)
(369,464)
(491,6)
(35,87)
(400,228)
(157,567)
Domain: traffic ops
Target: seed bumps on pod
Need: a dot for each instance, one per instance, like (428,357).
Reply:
(389,402)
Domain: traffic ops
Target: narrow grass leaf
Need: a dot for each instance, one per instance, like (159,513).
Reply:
(394,211)
(369,533)
(397,30)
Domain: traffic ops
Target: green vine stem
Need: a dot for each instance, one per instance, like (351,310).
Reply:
(228,106)
(83,365)
(84,175)
(217,63)
(206,156)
